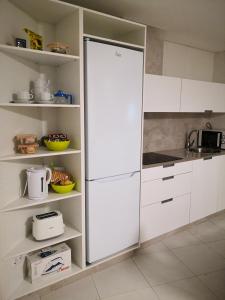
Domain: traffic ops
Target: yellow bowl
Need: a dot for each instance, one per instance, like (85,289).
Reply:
(63,189)
(57,145)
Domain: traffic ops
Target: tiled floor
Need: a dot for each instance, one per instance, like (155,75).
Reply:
(189,265)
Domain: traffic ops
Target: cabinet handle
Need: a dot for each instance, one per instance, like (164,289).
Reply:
(168,178)
(168,165)
(168,200)
(208,111)
(207,158)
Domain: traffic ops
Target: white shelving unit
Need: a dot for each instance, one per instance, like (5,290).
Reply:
(67,23)
(24,202)
(29,244)
(42,152)
(39,57)
(11,104)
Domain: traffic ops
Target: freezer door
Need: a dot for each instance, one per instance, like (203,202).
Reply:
(113,106)
(112,209)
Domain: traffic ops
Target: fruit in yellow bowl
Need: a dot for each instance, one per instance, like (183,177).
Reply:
(57,145)
(63,189)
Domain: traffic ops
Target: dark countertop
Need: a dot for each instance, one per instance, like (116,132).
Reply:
(184,154)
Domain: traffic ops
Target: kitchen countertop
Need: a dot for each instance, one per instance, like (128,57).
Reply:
(184,154)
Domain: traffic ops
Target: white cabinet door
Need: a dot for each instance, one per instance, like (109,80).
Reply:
(199,96)
(161,93)
(165,216)
(204,197)
(221,183)
(168,187)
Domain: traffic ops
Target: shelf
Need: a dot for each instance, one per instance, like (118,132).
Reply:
(99,38)
(27,287)
(50,11)
(10,104)
(42,152)
(29,244)
(37,56)
(25,202)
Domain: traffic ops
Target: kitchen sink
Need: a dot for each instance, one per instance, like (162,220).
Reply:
(204,150)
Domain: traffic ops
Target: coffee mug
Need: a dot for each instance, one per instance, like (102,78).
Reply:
(46,96)
(24,95)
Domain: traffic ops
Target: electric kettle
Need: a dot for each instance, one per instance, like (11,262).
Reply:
(37,182)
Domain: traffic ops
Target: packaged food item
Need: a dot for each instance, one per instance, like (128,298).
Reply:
(26,143)
(58,47)
(61,178)
(27,149)
(26,139)
(54,259)
(35,39)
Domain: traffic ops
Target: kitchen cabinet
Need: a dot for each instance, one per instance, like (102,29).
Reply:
(164,216)
(200,96)
(166,187)
(165,198)
(221,183)
(204,188)
(161,93)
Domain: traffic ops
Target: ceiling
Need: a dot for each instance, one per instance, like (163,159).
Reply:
(198,23)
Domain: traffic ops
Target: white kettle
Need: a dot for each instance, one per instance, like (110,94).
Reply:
(37,181)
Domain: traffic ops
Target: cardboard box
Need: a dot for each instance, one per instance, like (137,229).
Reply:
(51,260)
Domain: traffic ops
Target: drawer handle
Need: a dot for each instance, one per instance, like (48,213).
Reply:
(168,178)
(168,200)
(207,158)
(208,111)
(168,165)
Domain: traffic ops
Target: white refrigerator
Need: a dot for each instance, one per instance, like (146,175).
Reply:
(113,119)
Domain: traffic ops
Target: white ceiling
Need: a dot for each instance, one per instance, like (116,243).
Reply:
(198,23)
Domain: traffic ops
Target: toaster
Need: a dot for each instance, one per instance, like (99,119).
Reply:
(47,225)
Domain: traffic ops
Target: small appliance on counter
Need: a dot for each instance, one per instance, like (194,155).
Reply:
(37,182)
(210,139)
(47,225)
(48,261)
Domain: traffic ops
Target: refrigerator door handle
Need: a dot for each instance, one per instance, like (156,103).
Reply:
(116,178)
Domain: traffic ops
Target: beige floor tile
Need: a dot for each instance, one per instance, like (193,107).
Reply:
(219,221)
(144,294)
(207,232)
(156,247)
(161,267)
(118,279)
(188,289)
(200,259)
(181,239)
(218,247)
(83,289)
(216,283)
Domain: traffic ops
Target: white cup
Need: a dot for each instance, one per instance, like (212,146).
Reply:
(46,96)
(24,95)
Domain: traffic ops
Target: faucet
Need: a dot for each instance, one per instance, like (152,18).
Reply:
(189,143)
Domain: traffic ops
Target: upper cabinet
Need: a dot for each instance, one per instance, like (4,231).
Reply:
(171,94)
(161,93)
(201,96)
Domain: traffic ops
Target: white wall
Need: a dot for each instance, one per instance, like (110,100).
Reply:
(187,62)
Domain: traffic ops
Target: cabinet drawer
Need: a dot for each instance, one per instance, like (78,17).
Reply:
(159,218)
(167,187)
(166,170)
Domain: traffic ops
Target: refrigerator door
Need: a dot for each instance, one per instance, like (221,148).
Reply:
(113,106)
(112,215)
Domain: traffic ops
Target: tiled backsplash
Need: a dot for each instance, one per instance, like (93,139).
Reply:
(164,131)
